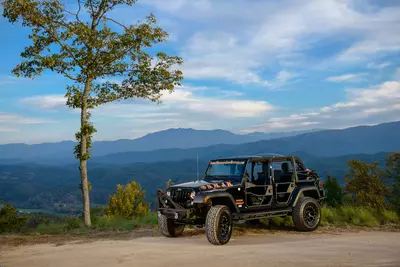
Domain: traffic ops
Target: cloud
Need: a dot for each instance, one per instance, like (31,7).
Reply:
(351,77)
(241,40)
(184,102)
(5,80)
(45,101)
(382,65)
(183,99)
(187,106)
(397,74)
(231,93)
(230,108)
(380,35)
(7,130)
(18,119)
(217,55)
(375,104)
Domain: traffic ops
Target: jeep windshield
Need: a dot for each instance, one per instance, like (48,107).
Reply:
(228,170)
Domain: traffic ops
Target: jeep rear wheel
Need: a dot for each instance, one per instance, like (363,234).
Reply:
(307,214)
(219,225)
(168,227)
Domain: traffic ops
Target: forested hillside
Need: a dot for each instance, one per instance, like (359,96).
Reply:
(58,187)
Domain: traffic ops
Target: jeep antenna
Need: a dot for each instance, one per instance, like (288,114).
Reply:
(198,166)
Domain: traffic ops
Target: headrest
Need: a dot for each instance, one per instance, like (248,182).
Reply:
(285,167)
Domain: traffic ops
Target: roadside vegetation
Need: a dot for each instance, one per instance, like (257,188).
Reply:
(370,198)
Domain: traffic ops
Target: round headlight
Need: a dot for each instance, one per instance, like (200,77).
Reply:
(192,195)
(168,193)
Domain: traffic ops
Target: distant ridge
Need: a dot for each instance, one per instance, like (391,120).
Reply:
(181,138)
(328,143)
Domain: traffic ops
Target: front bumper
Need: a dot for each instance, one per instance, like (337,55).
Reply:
(175,214)
(169,208)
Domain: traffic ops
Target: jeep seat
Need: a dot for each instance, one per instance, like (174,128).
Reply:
(286,176)
(263,176)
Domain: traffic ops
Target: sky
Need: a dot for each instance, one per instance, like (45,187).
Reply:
(249,65)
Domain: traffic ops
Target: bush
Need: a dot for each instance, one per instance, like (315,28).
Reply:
(366,184)
(10,222)
(334,194)
(389,216)
(128,202)
(72,223)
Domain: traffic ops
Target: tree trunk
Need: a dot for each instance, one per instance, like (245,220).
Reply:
(83,158)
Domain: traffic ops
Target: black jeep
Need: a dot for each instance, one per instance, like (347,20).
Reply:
(240,189)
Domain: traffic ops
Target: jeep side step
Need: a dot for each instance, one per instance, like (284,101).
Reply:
(261,214)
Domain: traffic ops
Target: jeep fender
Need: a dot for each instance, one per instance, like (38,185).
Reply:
(204,196)
(306,190)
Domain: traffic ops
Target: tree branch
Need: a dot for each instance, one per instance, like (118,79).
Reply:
(69,76)
(61,44)
(79,10)
(116,22)
(69,12)
(119,71)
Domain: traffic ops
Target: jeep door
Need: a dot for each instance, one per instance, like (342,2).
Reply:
(284,179)
(258,188)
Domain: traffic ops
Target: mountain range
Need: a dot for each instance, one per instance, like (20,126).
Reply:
(179,144)
(180,138)
(327,143)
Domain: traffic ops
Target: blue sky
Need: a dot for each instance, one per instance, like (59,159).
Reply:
(248,65)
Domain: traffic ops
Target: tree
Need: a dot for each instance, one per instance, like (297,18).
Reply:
(128,202)
(393,173)
(365,182)
(334,194)
(89,50)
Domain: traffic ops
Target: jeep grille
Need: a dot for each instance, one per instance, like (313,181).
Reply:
(180,195)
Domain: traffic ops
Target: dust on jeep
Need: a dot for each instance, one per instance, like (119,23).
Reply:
(239,189)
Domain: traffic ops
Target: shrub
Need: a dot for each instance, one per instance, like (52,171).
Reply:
(9,219)
(128,202)
(72,223)
(365,183)
(389,216)
(334,194)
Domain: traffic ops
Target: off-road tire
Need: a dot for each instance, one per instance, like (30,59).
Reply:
(301,214)
(168,227)
(216,233)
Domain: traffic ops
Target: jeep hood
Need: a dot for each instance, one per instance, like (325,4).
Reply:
(194,184)
(204,185)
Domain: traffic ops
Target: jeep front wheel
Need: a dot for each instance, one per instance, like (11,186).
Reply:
(168,227)
(219,225)
(307,214)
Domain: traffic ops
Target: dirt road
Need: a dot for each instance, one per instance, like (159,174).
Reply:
(279,249)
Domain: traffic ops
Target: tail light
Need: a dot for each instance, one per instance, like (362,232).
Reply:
(321,184)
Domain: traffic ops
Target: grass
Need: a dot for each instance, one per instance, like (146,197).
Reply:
(117,223)
(73,225)
(358,216)
(342,216)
